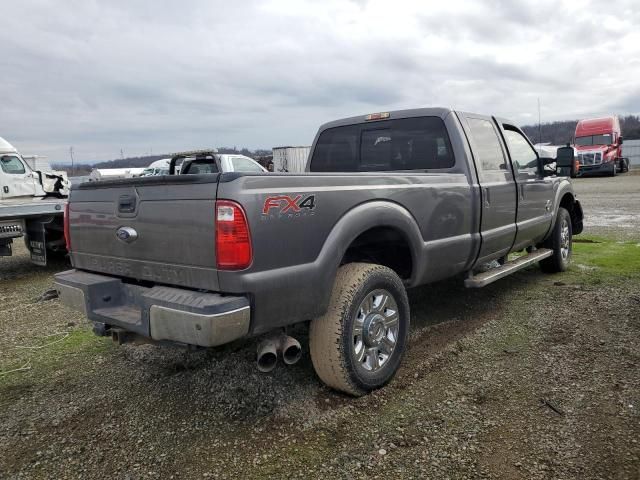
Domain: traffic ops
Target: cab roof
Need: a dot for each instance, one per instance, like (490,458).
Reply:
(6,147)
(595,126)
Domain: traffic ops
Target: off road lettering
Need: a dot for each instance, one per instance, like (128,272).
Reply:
(288,204)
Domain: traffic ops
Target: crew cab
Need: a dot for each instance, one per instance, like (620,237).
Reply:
(389,201)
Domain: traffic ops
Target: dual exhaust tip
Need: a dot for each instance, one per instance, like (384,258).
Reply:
(269,348)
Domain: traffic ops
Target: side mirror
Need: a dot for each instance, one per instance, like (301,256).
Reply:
(566,165)
(620,140)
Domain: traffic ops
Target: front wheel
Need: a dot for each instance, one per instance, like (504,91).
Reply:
(358,344)
(561,242)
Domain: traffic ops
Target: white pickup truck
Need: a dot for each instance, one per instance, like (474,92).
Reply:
(31,206)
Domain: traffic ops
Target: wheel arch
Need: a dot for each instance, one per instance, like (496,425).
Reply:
(358,226)
(565,198)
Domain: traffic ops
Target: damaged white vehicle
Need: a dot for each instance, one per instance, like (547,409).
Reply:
(32,205)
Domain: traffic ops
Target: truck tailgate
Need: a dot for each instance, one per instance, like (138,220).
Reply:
(159,229)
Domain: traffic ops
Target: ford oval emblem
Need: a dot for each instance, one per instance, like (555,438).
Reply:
(126,234)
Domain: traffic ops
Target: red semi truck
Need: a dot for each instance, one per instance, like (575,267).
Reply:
(598,144)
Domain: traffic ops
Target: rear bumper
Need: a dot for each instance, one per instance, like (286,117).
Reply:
(160,313)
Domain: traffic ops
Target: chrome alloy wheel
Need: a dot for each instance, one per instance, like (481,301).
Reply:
(375,330)
(565,239)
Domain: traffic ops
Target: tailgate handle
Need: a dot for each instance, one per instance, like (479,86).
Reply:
(127,204)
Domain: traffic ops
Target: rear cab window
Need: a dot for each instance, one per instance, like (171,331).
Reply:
(420,143)
(198,167)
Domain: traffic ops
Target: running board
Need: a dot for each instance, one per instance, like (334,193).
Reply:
(490,276)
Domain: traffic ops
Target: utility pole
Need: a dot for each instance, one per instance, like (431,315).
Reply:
(121,154)
(539,124)
(71,155)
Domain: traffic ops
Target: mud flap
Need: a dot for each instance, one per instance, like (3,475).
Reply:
(36,241)
(5,247)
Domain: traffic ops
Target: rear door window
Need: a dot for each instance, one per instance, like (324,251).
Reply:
(488,151)
(420,143)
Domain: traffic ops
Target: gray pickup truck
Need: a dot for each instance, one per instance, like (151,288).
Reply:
(389,201)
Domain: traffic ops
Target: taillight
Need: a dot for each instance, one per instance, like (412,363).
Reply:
(67,237)
(233,240)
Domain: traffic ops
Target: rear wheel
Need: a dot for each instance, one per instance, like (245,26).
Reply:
(358,344)
(561,242)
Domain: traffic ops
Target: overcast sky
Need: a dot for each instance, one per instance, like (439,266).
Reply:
(162,76)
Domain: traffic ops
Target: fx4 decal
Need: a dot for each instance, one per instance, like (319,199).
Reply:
(289,204)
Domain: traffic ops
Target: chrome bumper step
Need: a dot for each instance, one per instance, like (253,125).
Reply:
(490,276)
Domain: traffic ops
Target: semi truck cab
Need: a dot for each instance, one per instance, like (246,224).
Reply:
(598,144)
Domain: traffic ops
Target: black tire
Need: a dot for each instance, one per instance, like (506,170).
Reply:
(358,363)
(561,242)
(614,170)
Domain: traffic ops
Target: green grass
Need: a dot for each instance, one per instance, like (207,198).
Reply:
(79,346)
(598,259)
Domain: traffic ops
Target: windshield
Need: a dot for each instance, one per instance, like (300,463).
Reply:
(594,140)
(12,164)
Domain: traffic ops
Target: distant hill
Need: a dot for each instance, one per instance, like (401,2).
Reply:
(137,162)
(559,133)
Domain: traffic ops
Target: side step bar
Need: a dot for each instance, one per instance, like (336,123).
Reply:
(490,276)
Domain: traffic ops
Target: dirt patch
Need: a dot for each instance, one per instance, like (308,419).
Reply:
(467,402)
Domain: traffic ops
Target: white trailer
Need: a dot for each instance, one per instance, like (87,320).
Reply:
(290,159)
(37,162)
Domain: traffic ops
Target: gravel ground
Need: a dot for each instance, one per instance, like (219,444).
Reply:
(611,204)
(534,377)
